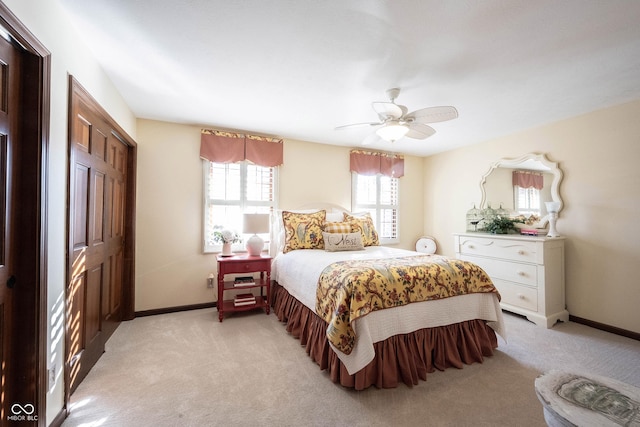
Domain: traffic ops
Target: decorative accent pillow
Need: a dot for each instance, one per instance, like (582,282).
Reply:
(369,233)
(343,227)
(303,231)
(334,216)
(342,241)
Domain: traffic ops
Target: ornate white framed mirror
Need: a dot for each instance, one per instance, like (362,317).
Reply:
(498,190)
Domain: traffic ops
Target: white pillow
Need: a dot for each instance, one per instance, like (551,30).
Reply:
(334,217)
(342,241)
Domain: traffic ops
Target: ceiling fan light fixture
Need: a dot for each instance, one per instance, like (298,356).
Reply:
(395,120)
(392,131)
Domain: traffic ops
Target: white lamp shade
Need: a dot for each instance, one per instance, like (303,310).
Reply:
(393,131)
(255,223)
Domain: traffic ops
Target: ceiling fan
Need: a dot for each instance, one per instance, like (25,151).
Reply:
(396,122)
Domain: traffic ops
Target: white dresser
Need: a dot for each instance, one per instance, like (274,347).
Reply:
(527,271)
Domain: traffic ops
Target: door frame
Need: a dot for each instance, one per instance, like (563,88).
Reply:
(31,345)
(128,285)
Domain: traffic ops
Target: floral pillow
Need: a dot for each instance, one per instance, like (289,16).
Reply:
(342,241)
(369,233)
(303,230)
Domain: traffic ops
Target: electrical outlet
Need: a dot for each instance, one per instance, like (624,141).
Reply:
(210,282)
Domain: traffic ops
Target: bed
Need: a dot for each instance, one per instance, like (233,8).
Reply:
(338,303)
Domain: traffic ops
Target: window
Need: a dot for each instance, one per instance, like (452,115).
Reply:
(378,195)
(231,189)
(527,200)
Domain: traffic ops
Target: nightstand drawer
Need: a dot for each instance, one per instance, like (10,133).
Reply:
(505,249)
(246,266)
(517,295)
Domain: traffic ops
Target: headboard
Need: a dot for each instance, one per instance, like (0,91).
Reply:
(329,207)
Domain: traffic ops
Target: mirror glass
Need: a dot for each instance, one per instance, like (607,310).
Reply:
(498,190)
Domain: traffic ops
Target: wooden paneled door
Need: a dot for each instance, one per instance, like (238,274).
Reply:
(98,185)
(9,72)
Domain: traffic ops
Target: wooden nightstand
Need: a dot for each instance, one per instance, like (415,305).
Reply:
(238,264)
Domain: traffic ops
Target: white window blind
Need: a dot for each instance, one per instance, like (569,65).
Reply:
(378,195)
(527,200)
(231,189)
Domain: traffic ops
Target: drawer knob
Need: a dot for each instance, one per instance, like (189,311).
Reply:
(521,296)
(521,252)
(521,273)
(470,246)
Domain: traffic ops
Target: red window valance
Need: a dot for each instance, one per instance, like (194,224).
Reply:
(229,147)
(528,179)
(374,163)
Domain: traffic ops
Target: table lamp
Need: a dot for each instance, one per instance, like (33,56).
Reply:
(256,224)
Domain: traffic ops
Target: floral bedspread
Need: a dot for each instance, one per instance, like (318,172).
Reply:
(351,289)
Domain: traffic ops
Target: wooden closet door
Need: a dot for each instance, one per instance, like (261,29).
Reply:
(96,238)
(9,66)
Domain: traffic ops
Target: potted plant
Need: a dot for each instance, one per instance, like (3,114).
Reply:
(501,225)
(226,237)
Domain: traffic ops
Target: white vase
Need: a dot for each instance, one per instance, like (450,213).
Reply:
(552,210)
(226,249)
(553,218)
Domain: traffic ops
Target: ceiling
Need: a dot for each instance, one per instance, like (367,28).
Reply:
(299,68)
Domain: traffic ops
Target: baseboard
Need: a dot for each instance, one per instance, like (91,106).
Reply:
(59,419)
(606,328)
(174,309)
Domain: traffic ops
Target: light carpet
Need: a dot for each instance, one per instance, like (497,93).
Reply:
(188,369)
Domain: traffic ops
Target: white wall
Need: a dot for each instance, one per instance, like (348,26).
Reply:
(48,23)
(171,269)
(599,154)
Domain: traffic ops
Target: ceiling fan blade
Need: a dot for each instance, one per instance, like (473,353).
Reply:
(420,131)
(389,110)
(432,115)
(358,125)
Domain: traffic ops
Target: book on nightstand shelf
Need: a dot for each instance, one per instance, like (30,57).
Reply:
(239,282)
(244,299)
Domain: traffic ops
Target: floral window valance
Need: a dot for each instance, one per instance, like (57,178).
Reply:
(528,179)
(374,163)
(230,147)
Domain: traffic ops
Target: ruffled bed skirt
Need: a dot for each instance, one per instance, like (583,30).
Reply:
(407,357)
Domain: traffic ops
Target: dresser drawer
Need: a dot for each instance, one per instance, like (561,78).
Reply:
(515,250)
(526,274)
(517,295)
